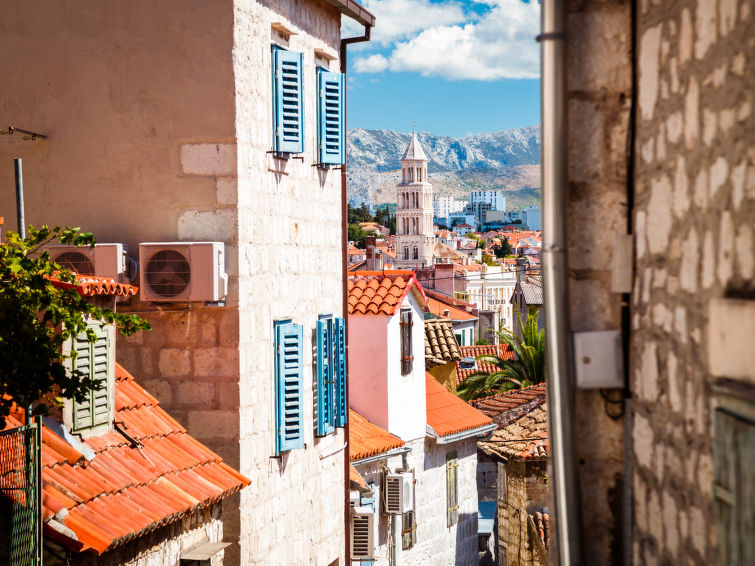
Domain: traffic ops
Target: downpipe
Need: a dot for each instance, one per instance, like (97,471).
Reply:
(566,496)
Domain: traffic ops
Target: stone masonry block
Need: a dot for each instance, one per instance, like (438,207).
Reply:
(212,159)
(216,362)
(730,351)
(174,362)
(213,424)
(209,225)
(197,393)
(160,389)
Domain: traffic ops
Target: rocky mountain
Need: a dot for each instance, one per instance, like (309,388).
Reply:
(505,160)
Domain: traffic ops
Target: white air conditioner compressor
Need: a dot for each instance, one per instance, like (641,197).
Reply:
(399,493)
(103,260)
(182,271)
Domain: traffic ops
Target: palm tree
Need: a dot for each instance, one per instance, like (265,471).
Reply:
(527,367)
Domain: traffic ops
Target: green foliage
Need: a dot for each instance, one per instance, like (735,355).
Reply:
(527,367)
(37,318)
(357,235)
(487,259)
(504,249)
(383,216)
(481,342)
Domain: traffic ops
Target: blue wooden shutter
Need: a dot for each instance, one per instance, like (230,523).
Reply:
(325,402)
(330,117)
(289,387)
(339,349)
(288,105)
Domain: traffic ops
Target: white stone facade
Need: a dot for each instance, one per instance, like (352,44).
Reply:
(491,289)
(414,212)
(437,544)
(167,128)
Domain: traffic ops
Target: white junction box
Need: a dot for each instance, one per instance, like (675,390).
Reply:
(598,360)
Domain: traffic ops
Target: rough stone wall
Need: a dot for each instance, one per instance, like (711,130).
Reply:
(522,486)
(695,205)
(437,544)
(162,547)
(599,83)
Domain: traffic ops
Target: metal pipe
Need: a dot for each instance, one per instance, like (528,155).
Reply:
(345,284)
(18,165)
(558,346)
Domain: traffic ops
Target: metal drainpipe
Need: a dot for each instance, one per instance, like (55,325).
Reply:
(558,345)
(345,284)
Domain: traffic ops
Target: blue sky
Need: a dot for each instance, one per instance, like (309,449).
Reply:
(455,67)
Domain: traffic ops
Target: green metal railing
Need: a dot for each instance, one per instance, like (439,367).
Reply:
(21,495)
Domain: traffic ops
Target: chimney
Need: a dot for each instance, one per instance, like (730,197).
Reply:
(521,270)
(446,312)
(374,260)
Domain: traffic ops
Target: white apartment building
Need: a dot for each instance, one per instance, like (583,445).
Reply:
(491,289)
(531,217)
(444,205)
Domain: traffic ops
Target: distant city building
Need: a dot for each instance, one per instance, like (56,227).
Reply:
(414,212)
(495,199)
(444,205)
(531,217)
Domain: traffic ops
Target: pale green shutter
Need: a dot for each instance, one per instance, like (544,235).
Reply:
(452,486)
(93,361)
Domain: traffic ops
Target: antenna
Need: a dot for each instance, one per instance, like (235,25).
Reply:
(414,126)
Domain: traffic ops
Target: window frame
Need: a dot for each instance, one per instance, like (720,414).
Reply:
(327,81)
(102,339)
(452,489)
(406,323)
(288,343)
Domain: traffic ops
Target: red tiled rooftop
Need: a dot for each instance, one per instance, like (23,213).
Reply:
(525,437)
(381,292)
(94,285)
(367,439)
(125,491)
(438,308)
(447,414)
(506,407)
(502,350)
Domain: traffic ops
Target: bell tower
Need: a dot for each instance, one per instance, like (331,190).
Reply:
(414,210)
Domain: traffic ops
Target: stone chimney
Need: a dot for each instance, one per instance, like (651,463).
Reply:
(374,259)
(521,270)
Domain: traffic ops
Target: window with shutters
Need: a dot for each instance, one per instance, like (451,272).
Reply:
(406,341)
(331,409)
(408,530)
(330,133)
(288,101)
(734,481)
(93,360)
(452,489)
(289,385)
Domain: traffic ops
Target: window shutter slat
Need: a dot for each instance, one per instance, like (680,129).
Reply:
(93,361)
(330,117)
(288,107)
(289,387)
(325,405)
(342,412)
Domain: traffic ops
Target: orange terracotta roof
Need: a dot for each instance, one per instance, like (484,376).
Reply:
(447,414)
(507,407)
(367,439)
(93,285)
(382,292)
(502,350)
(437,308)
(356,478)
(524,438)
(125,491)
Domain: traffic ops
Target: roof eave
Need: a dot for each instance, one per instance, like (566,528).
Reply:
(482,432)
(383,455)
(354,10)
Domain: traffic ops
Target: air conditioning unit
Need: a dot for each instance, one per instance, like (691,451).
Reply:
(182,271)
(103,260)
(362,533)
(399,493)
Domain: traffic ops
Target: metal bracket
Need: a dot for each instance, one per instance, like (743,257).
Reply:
(28,135)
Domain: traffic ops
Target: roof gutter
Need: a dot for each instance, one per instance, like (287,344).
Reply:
(482,433)
(356,11)
(559,361)
(383,455)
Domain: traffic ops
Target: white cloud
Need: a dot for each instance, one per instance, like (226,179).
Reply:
(371,64)
(501,44)
(400,19)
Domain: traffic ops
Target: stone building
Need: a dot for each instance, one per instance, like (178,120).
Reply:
(660,117)
(163,128)
(414,211)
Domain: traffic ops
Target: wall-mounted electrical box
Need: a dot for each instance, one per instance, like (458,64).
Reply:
(598,360)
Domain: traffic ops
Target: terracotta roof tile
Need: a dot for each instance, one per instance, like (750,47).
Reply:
(446,413)
(526,437)
(507,407)
(381,292)
(502,350)
(440,343)
(367,439)
(93,285)
(125,492)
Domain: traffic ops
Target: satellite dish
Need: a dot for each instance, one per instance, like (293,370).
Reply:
(168,273)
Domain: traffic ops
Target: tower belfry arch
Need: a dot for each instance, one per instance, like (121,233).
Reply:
(414,210)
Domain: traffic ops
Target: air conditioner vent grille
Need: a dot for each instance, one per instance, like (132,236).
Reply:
(168,273)
(76,261)
(362,547)
(393,495)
